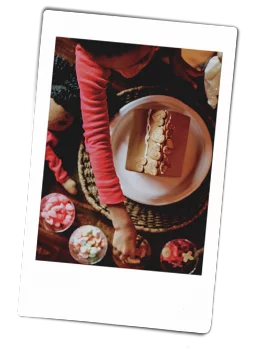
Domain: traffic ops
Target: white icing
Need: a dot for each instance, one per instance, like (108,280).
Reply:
(148,127)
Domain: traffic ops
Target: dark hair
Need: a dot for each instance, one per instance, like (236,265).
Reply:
(65,89)
(109,49)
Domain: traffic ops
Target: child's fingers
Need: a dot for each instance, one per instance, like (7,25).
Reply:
(123,257)
(116,252)
(131,253)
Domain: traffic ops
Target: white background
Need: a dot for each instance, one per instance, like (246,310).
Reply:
(13,21)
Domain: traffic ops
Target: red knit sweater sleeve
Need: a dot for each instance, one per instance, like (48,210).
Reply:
(54,162)
(92,80)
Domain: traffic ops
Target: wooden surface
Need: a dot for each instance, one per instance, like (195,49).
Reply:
(54,247)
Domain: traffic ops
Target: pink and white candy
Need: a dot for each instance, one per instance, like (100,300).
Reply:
(58,211)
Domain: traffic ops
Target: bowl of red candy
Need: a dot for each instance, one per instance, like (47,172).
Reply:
(179,256)
(57,212)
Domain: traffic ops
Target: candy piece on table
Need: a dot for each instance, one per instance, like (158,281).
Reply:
(59,217)
(53,199)
(93,250)
(48,206)
(56,208)
(52,213)
(68,217)
(188,256)
(44,214)
(69,207)
(98,241)
(70,213)
(77,240)
(166,252)
(91,242)
(96,233)
(81,241)
(92,255)
(83,249)
(49,221)
(65,222)
(174,249)
(88,246)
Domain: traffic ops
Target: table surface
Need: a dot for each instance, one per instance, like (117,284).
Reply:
(54,247)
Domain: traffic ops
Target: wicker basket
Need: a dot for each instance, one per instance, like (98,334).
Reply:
(153,219)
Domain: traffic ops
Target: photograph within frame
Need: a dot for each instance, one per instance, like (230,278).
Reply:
(47,286)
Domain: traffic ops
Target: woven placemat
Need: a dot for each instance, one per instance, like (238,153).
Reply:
(153,219)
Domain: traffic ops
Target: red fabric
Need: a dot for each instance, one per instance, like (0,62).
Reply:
(54,162)
(92,80)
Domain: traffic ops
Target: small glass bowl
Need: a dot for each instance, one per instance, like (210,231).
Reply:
(54,208)
(179,256)
(76,253)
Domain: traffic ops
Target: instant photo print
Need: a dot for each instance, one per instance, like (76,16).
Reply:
(127,171)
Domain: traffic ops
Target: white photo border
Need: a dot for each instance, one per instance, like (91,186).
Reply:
(168,301)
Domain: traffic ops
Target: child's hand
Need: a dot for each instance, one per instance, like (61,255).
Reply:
(70,186)
(124,239)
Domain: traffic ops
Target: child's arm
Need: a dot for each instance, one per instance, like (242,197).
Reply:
(92,80)
(55,164)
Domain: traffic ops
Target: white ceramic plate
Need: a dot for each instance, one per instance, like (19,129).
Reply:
(153,190)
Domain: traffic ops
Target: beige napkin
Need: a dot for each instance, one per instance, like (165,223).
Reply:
(212,80)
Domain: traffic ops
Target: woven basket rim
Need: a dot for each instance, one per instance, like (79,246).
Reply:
(103,209)
(105,212)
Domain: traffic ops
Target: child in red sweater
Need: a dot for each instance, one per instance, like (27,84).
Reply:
(93,68)
(94,64)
